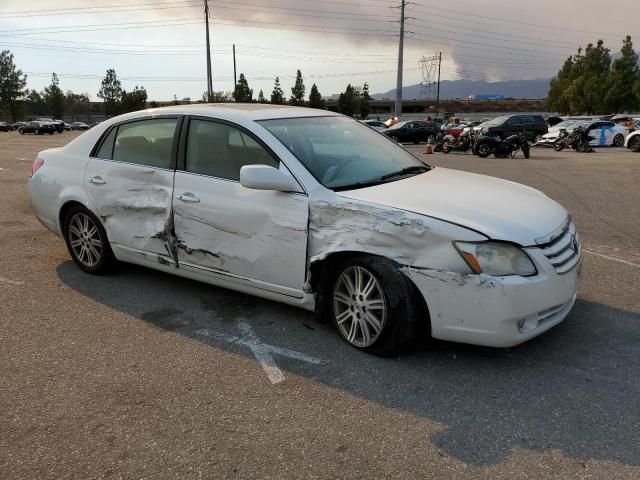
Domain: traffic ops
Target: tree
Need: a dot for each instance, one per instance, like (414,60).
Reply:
(347,102)
(36,106)
(315,99)
(277,95)
(111,92)
(133,101)
(261,98)
(556,99)
(77,104)
(12,84)
(54,98)
(620,94)
(581,85)
(242,92)
(297,91)
(364,107)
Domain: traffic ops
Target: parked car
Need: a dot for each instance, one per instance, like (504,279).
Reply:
(607,133)
(65,126)
(632,142)
(5,127)
(375,124)
(548,139)
(456,130)
(508,125)
(58,125)
(79,126)
(313,209)
(17,125)
(37,128)
(412,131)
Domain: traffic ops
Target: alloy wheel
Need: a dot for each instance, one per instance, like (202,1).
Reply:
(359,306)
(85,241)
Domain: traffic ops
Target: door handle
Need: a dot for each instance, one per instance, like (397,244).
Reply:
(188,197)
(97,180)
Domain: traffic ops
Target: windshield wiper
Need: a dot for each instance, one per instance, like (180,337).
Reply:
(406,171)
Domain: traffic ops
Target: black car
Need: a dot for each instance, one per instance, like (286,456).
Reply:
(37,128)
(58,125)
(4,127)
(503,127)
(412,131)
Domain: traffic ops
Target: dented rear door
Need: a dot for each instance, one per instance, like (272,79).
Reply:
(130,181)
(249,236)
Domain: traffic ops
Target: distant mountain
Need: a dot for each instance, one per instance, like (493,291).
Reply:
(449,89)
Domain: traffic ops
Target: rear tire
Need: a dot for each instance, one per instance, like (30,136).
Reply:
(446,148)
(634,144)
(21,131)
(526,150)
(373,305)
(618,141)
(87,241)
(558,147)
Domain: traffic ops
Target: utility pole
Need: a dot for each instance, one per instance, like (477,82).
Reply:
(235,79)
(400,63)
(209,78)
(438,94)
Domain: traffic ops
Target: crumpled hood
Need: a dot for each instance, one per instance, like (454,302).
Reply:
(500,209)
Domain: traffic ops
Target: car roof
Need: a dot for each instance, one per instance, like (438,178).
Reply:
(246,111)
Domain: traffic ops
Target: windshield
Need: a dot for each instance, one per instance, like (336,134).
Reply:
(341,153)
(495,121)
(397,125)
(568,123)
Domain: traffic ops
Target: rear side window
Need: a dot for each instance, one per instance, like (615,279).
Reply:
(145,142)
(527,119)
(106,149)
(220,150)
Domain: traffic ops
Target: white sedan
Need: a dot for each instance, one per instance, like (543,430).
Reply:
(314,209)
(605,133)
(632,142)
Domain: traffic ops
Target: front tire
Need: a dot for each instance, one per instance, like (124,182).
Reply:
(21,131)
(373,305)
(483,150)
(634,144)
(558,146)
(446,148)
(87,241)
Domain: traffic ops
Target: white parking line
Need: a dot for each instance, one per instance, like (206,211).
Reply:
(614,259)
(263,352)
(10,282)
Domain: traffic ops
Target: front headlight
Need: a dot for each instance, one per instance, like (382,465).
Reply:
(496,259)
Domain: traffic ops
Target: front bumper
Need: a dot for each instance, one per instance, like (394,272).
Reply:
(496,311)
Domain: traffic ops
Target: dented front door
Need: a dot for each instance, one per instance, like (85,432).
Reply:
(250,236)
(130,181)
(255,235)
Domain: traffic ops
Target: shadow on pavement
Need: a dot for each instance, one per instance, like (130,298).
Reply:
(575,389)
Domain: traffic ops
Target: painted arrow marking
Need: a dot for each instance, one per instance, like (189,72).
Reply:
(263,352)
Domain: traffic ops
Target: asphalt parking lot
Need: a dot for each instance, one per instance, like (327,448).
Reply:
(144,375)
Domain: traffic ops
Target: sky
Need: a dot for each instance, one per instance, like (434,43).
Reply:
(160,44)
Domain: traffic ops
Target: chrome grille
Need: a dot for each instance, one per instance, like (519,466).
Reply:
(564,250)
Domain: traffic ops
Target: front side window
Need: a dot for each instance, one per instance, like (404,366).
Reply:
(220,150)
(144,142)
(342,153)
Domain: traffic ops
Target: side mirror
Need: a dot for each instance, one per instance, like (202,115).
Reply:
(264,177)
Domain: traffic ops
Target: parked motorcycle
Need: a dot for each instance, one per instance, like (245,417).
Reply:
(506,148)
(439,141)
(462,143)
(578,140)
